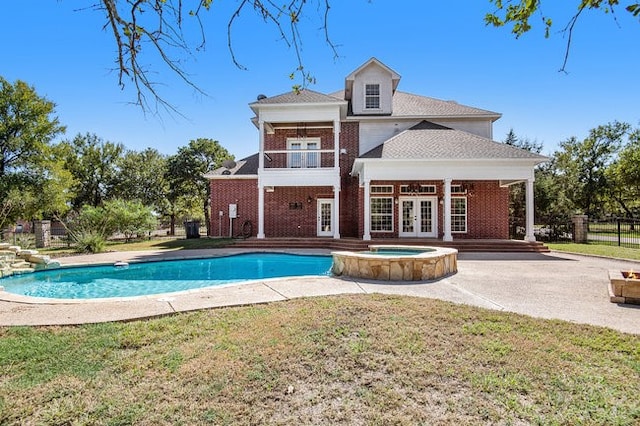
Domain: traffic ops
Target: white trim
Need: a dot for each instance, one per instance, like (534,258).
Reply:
(260,145)
(430,170)
(322,176)
(447,210)
(336,212)
(260,235)
(367,211)
(529,224)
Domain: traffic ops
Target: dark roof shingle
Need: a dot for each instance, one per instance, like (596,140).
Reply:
(303,96)
(430,141)
(410,105)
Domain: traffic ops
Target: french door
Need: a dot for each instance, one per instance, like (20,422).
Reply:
(418,216)
(325,218)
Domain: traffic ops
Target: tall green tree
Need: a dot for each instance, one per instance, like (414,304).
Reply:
(624,177)
(185,173)
(52,194)
(552,205)
(142,177)
(27,126)
(517,192)
(93,165)
(582,165)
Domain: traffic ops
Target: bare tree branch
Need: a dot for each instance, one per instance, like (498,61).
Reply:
(142,28)
(517,13)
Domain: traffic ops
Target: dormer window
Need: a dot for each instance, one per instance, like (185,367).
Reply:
(372,96)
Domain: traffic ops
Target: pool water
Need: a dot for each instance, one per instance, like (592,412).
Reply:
(148,278)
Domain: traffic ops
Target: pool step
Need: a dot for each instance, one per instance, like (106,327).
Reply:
(25,270)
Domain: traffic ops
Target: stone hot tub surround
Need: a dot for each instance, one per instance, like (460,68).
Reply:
(396,263)
(624,287)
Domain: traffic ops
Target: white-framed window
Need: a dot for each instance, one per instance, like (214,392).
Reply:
(371,96)
(458,215)
(306,158)
(458,189)
(421,189)
(381,214)
(381,189)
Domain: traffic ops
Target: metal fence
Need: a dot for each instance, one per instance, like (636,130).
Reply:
(620,232)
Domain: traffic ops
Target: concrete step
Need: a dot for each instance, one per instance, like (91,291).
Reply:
(358,245)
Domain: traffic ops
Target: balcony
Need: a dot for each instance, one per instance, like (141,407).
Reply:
(300,167)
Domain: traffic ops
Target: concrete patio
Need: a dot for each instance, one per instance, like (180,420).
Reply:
(545,285)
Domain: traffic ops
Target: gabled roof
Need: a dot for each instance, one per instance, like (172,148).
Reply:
(407,105)
(348,83)
(430,141)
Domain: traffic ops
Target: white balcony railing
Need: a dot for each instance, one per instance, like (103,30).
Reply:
(299,159)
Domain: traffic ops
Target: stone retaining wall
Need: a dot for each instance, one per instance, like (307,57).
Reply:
(15,260)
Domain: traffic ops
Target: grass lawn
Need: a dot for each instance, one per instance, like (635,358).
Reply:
(597,250)
(352,360)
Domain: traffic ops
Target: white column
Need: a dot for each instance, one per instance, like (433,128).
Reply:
(336,144)
(261,146)
(447,211)
(336,212)
(530,236)
(367,211)
(260,185)
(260,209)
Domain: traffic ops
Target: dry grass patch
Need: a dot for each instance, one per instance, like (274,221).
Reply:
(366,359)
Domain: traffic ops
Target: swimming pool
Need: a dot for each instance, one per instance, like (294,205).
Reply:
(138,279)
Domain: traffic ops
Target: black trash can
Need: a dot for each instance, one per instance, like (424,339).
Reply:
(192,228)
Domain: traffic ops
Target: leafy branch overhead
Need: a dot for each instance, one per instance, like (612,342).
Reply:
(146,27)
(518,14)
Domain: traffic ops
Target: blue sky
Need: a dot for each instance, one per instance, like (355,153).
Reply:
(440,49)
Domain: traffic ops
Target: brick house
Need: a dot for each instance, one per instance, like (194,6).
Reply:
(372,162)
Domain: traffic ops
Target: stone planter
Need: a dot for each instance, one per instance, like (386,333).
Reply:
(624,287)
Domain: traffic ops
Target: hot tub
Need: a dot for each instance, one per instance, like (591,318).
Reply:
(396,263)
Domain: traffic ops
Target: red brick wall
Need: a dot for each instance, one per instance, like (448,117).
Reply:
(244,193)
(280,220)
(349,195)
(487,202)
(487,210)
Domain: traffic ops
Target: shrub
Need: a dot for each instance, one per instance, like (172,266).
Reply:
(87,241)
